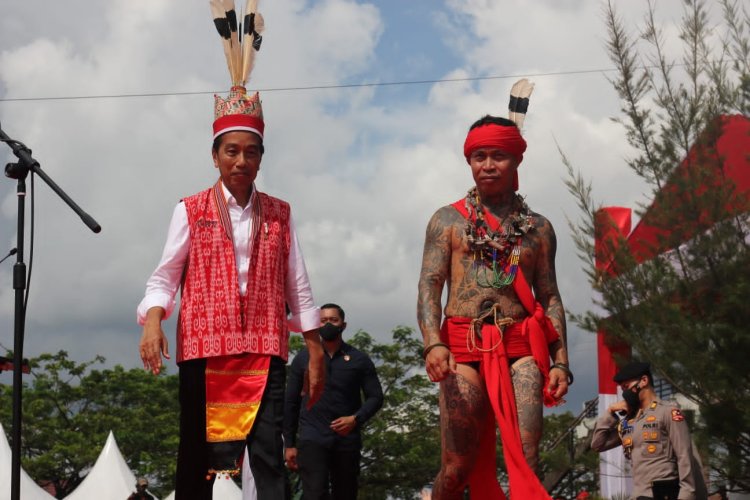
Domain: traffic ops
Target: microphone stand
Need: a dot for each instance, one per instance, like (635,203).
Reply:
(13,251)
(19,171)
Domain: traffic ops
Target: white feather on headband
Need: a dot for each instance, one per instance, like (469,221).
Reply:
(519,101)
(240,40)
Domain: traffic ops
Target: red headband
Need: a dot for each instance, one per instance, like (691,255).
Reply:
(229,123)
(505,138)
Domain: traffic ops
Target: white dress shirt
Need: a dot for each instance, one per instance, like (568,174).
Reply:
(162,286)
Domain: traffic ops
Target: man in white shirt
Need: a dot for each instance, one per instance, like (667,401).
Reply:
(234,253)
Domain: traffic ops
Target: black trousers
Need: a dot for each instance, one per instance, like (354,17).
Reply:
(668,489)
(319,464)
(265,446)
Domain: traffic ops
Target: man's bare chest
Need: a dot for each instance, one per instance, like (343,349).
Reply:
(475,286)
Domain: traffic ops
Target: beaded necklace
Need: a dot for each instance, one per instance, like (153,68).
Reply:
(495,250)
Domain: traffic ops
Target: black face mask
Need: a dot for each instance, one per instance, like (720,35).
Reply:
(329,331)
(632,399)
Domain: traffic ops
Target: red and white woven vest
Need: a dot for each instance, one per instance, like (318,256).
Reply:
(214,320)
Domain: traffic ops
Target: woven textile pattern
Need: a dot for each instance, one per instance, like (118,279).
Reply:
(214,320)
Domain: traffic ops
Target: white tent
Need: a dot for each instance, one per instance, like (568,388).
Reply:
(224,489)
(109,479)
(29,489)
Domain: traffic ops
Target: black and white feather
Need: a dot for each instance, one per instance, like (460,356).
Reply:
(240,40)
(519,101)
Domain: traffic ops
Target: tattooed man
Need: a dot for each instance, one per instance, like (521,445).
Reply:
(492,352)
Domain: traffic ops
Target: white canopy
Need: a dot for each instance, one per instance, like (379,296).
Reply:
(29,489)
(109,479)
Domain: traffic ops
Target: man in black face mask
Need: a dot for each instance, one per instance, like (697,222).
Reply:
(326,451)
(654,436)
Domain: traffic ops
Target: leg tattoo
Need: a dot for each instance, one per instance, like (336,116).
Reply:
(527,384)
(463,408)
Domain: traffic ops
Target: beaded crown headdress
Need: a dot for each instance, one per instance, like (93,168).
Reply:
(241,41)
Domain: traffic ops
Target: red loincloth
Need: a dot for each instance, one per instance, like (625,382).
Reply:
(455,332)
(495,371)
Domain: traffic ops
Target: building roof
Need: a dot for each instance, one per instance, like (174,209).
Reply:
(730,161)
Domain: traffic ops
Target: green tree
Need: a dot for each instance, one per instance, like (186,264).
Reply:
(567,458)
(684,307)
(401,444)
(69,410)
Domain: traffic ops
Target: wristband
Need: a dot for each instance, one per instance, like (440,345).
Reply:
(564,367)
(430,347)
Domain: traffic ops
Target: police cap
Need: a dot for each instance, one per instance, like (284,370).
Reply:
(633,370)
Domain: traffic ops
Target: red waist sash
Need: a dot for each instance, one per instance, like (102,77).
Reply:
(457,334)
(492,354)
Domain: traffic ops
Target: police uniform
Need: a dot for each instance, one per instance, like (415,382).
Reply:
(657,441)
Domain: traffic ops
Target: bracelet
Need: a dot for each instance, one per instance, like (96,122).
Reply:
(430,347)
(564,367)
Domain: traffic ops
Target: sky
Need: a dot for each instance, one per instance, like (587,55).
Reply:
(363,166)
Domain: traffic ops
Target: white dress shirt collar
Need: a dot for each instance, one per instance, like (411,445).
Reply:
(231,200)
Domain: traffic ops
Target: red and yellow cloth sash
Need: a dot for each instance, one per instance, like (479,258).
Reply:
(234,389)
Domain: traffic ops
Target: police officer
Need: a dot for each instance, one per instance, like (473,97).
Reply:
(654,436)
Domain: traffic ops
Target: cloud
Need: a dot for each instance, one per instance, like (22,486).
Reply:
(128,161)
(364,168)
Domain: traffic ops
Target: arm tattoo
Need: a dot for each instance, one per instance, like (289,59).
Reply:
(435,270)
(545,280)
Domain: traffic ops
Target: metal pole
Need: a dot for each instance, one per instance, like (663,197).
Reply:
(19,285)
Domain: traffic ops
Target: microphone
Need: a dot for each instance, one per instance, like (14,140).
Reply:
(13,251)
